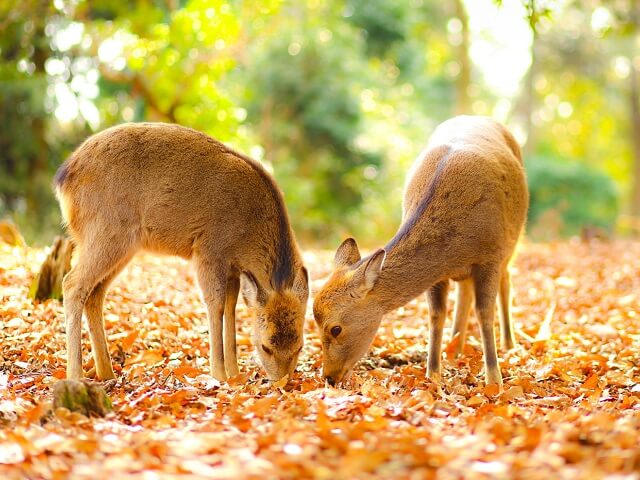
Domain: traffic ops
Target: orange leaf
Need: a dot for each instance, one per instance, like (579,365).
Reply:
(451,347)
(591,382)
(544,332)
(34,414)
(179,396)
(148,357)
(129,339)
(513,393)
(491,390)
(476,400)
(186,370)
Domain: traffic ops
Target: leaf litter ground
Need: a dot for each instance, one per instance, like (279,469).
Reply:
(570,409)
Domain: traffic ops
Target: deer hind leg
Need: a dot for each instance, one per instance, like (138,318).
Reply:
(93,311)
(437,298)
(464,299)
(507,336)
(486,280)
(230,352)
(95,262)
(212,278)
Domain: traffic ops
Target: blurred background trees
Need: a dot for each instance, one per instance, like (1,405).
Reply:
(335,97)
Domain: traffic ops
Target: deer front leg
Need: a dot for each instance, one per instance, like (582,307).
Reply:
(213,281)
(437,298)
(230,351)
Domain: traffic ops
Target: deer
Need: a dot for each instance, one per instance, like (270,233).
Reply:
(464,209)
(168,189)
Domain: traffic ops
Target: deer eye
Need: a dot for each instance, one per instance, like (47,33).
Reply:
(267,350)
(335,331)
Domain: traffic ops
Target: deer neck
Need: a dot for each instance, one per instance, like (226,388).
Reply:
(407,272)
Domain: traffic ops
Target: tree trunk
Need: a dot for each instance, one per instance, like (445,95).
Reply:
(38,163)
(463,103)
(529,100)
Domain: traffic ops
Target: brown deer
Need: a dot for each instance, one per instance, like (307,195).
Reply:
(465,204)
(172,190)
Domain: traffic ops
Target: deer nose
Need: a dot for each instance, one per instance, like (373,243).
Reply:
(330,381)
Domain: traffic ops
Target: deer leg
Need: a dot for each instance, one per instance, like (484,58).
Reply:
(94,265)
(437,298)
(230,351)
(486,279)
(507,337)
(93,311)
(461,312)
(212,277)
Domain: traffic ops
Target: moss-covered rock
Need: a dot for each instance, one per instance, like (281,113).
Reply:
(84,397)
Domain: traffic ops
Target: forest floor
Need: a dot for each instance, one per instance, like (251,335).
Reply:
(570,409)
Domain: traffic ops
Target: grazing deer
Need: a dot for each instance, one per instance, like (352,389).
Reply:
(172,190)
(465,204)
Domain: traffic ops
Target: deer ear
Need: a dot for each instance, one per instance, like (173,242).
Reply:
(372,269)
(253,294)
(301,285)
(347,253)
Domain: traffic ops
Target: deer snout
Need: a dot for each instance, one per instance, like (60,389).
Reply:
(333,377)
(281,368)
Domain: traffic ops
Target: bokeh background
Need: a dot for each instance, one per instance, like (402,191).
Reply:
(335,97)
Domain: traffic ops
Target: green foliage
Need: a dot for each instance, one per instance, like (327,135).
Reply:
(25,161)
(304,103)
(580,194)
(337,97)
(384,22)
(174,61)
(328,98)
(20,102)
